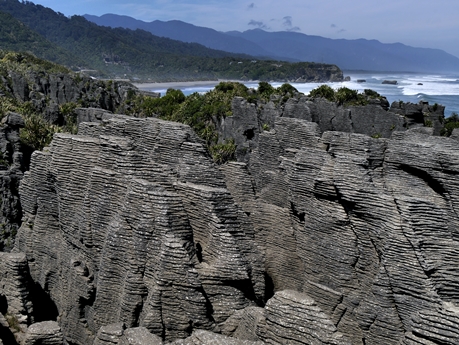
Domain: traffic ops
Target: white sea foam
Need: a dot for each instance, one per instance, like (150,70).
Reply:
(431,88)
(434,89)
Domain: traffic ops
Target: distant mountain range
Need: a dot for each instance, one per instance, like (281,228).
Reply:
(181,31)
(361,54)
(134,53)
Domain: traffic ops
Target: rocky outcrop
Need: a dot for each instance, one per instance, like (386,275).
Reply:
(201,337)
(389,82)
(337,224)
(368,225)
(375,119)
(47,92)
(294,316)
(118,228)
(321,237)
(54,97)
(44,333)
(11,172)
(139,336)
(15,297)
(417,115)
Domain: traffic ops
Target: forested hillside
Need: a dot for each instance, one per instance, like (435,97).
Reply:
(140,55)
(17,36)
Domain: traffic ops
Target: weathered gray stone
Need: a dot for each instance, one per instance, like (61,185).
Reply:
(14,290)
(13,120)
(252,322)
(139,336)
(439,326)
(368,224)
(44,333)
(49,95)
(201,337)
(110,334)
(294,316)
(348,238)
(92,115)
(374,119)
(12,166)
(137,223)
(455,134)
(390,82)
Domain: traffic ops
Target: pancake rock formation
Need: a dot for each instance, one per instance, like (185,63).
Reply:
(318,237)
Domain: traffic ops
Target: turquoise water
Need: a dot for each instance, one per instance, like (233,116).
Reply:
(441,89)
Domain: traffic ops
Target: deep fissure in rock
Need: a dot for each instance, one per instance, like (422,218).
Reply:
(249,133)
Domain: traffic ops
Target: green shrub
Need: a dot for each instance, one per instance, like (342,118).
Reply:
(265,89)
(23,62)
(371,93)
(37,133)
(345,95)
(222,153)
(70,117)
(7,105)
(231,88)
(287,88)
(164,107)
(323,91)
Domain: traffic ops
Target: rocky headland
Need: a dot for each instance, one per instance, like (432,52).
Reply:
(335,224)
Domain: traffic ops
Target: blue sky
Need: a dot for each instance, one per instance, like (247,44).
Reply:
(419,23)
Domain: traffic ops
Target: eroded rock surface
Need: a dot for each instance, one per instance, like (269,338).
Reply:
(131,221)
(366,227)
(376,119)
(11,171)
(321,237)
(44,333)
(201,337)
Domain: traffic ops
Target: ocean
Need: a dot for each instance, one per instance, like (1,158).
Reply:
(441,89)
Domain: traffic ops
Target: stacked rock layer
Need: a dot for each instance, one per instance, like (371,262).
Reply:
(333,238)
(133,223)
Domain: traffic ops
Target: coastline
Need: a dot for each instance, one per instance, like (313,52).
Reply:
(181,84)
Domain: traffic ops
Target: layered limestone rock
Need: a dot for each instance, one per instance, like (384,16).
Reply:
(318,238)
(366,227)
(201,337)
(16,309)
(52,96)
(48,91)
(44,333)
(375,119)
(295,316)
(131,222)
(11,172)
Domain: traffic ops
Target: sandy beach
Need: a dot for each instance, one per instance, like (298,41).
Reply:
(179,84)
(175,85)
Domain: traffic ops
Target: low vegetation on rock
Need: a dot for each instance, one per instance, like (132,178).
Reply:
(344,95)
(46,94)
(449,124)
(202,111)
